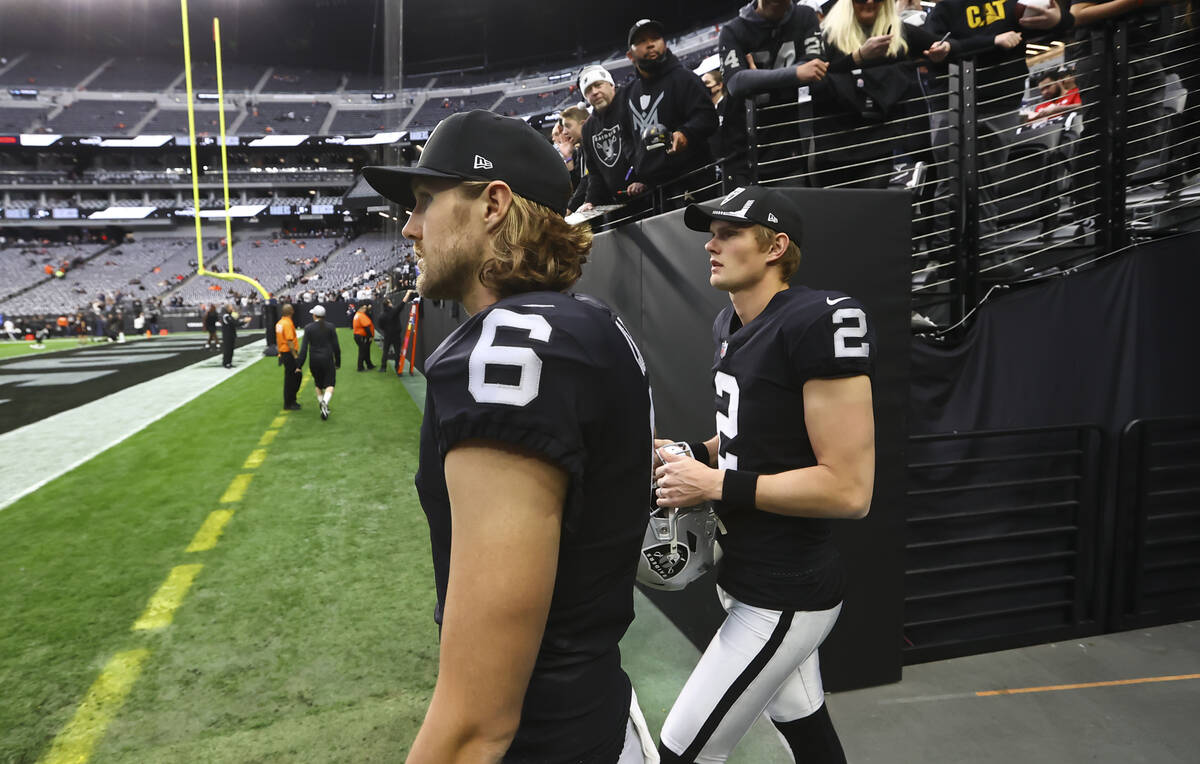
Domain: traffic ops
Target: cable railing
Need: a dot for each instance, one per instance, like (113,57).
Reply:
(999,195)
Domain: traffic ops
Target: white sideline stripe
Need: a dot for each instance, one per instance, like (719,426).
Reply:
(37,453)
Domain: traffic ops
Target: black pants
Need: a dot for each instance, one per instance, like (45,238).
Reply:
(364,351)
(227,350)
(291,379)
(393,342)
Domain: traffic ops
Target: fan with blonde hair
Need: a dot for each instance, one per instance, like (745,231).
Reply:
(843,31)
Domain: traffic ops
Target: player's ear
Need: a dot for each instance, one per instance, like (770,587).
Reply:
(497,198)
(779,245)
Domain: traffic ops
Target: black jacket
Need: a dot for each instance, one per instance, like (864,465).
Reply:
(974,25)
(321,337)
(855,103)
(608,151)
(676,98)
(776,49)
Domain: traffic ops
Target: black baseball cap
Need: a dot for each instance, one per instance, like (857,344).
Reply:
(480,145)
(765,206)
(641,24)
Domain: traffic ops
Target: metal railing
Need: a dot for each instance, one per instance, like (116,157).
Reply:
(1157,572)
(999,199)
(1002,539)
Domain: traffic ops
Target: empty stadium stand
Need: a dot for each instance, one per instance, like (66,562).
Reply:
(43,69)
(435,109)
(366,121)
(100,117)
(292,80)
(137,75)
(288,118)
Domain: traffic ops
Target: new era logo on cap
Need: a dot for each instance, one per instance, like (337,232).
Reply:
(482,146)
(771,218)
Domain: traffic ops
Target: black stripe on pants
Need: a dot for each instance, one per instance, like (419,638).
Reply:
(735,690)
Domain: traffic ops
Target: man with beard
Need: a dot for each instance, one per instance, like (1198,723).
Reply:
(535,457)
(606,146)
(671,116)
(767,54)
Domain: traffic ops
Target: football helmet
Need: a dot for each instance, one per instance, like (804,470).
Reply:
(680,543)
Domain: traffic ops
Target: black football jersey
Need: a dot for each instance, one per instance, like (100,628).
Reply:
(560,375)
(759,370)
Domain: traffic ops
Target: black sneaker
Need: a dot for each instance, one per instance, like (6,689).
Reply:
(324,410)
(292,407)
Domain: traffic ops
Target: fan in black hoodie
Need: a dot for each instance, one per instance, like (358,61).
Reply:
(666,94)
(783,40)
(606,147)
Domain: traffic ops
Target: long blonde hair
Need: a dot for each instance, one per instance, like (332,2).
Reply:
(533,248)
(842,29)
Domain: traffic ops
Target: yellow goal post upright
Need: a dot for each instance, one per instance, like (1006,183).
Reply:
(191,115)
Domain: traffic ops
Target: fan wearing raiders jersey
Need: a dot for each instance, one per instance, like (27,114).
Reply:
(794,452)
(768,52)
(535,457)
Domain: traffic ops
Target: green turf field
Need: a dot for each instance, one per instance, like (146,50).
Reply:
(306,635)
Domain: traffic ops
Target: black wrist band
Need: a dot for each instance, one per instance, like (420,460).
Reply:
(699,451)
(739,489)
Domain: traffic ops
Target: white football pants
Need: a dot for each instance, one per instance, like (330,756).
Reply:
(759,660)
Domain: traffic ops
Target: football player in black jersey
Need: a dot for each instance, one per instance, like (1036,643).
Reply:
(535,448)
(794,450)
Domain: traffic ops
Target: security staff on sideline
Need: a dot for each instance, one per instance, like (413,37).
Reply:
(289,350)
(364,332)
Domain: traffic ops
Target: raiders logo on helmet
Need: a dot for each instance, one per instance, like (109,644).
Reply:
(680,544)
(667,560)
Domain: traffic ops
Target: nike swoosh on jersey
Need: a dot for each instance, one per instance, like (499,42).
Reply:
(829,301)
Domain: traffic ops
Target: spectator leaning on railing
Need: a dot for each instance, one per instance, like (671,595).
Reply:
(864,42)
(607,148)
(671,116)
(768,52)
(991,31)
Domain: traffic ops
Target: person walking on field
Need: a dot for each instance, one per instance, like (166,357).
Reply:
(321,337)
(364,333)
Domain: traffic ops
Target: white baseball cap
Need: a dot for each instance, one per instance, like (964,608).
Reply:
(594,73)
(318,310)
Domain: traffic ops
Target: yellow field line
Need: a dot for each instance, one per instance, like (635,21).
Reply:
(255,459)
(214,524)
(1086,685)
(267,437)
(161,609)
(75,742)
(278,421)
(237,488)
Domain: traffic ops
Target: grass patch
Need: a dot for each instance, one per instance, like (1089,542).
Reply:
(308,633)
